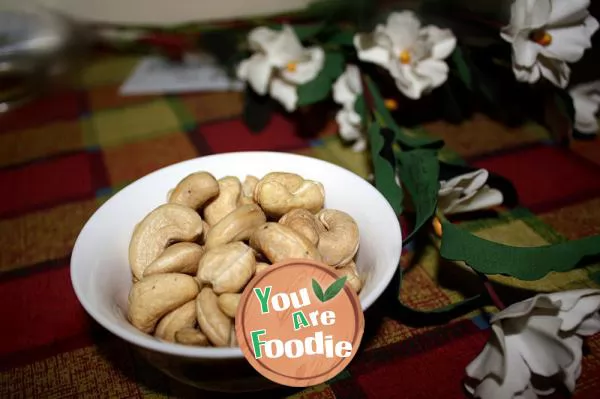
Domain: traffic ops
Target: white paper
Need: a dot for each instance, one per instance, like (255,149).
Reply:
(196,73)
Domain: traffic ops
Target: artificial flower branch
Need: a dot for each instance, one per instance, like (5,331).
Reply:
(436,224)
(491,291)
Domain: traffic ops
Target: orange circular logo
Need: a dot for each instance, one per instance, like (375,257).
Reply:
(298,323)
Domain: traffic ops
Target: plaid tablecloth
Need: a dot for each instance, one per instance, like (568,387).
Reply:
(65,154)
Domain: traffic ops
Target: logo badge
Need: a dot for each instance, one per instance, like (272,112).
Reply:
(298,323)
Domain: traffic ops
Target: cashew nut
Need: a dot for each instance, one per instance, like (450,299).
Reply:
(153,297)
(182,317)
(205,229)
(303,222)
(237,226)
(194,190)
(260,267)
(213,322)
(230,190)
(352,277)
(191,336)
(228,303)
(339,241)
(164,225)
(181,257)
(278,193)
(278,242)
(228,268)
(248,187)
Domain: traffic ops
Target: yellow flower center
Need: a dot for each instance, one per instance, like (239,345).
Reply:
(541,37)
(391,104)
(404,57)
(292,66)
(437,226)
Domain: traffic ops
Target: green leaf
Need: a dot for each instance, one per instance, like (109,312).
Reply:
(462,67)
(334,289)
(314,91)
(360,107)
(595,277)
(343,38)
(384,169)
(334,64)
(318,290)
(388,121)
(524,263)
(318,89)
(305,32)
(419,171)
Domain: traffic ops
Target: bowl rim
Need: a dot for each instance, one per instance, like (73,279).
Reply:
(156,345)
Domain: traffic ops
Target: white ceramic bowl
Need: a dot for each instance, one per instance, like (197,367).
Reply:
(101,276)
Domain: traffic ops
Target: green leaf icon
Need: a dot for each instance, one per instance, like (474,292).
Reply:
(317,290)
(330,292)
(334,289)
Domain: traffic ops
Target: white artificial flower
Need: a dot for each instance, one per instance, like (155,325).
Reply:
(348,87)
(413,54)
(586,101)
(467,193)
(346,90)
(534,343)
(546,35)
(280,64)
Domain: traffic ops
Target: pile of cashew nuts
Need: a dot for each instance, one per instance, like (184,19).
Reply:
(192,256)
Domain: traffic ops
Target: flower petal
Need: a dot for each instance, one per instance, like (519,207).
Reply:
(308,69)
(586,101)
(359,145)
(285,48)
(261,38)
(538,13)
(461,193)
(468,182)
(490,361)
(526,74)
(435,71)
(349,124)
(525,52)
(443,41)
(568,43)
(257,72)
(407,81)
(350,128)
(572,372)
(568,12)
(540,346)
(557,72)
(576,306)
(285,93)
(592,25)
(485,198)
(523,308)
(402,28)
(347,86)
(589,326)
(513,385)
(528,393)
(370,51)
